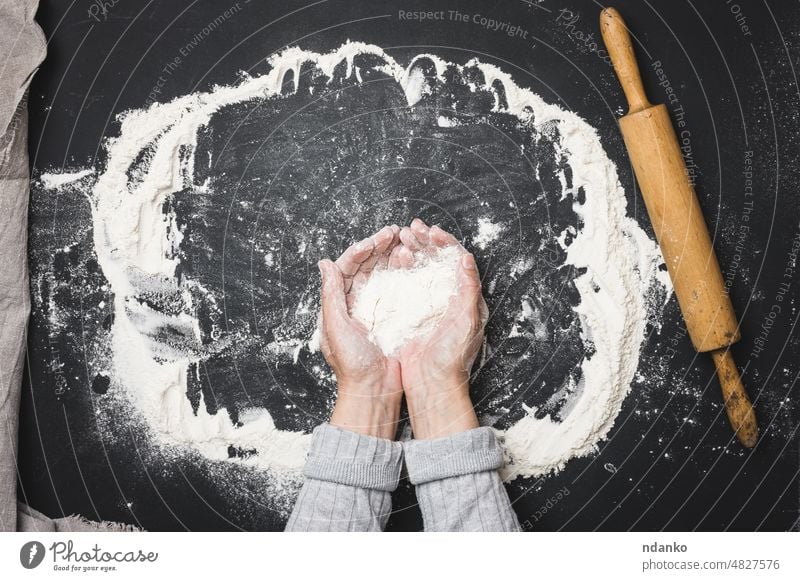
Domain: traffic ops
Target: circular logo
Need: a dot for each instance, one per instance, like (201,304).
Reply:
(31,554)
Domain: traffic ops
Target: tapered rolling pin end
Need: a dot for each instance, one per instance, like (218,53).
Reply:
(737,404)
(620,48)
(608,14)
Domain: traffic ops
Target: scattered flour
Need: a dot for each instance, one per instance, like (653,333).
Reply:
(488,232)
(137,237)
(399,304)
(56,180)
(443,121)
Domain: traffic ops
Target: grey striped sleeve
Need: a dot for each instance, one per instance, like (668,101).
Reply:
(457,483)
(349,479)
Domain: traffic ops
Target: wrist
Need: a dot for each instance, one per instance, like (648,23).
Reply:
(368,414)
(446,410)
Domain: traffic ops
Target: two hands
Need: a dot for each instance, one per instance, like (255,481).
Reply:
(452,465)
(432,371)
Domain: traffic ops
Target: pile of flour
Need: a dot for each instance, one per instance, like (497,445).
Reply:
(398,304)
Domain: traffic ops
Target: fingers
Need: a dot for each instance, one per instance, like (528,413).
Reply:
(409,238)
(415,238)
(334,306)
(392,247)
(421,231)
(352,258)
(417,243)
(441,238)
(402,257)
(362,256)
(383,241)
(383,258)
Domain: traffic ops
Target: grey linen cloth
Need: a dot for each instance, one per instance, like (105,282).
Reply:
(22,47)
(350,477)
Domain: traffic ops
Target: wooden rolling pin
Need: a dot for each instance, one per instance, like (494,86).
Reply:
(679,226)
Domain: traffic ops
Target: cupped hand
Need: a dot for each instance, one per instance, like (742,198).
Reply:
(369,387)
(436,368)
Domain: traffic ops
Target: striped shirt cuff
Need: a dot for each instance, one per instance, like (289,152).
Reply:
(466,452)
(345,457)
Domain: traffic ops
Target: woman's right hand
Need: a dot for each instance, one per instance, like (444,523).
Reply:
(369,389)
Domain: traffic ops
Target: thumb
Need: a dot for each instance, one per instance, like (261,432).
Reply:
(334,306)
(469,288)
(467,277)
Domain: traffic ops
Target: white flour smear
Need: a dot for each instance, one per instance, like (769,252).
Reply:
(488,232)
(56,180)
(137,237)
(396,305)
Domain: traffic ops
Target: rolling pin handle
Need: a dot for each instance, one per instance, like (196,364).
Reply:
(737,404)
(618,42)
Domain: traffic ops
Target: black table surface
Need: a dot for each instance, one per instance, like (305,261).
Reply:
(733,69)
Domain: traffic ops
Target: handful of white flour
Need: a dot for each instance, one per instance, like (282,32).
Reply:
(398,304)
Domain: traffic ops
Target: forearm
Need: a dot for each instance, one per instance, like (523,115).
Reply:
(457,482)
(349,480)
